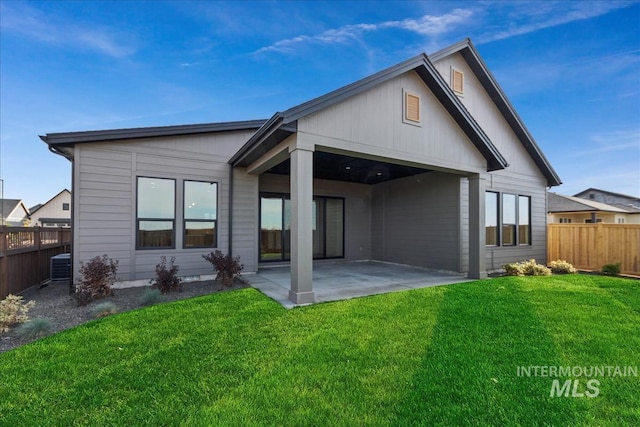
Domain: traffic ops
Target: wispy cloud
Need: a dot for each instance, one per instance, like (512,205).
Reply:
(427,25)
(534,16)
(31,23)
(614,141)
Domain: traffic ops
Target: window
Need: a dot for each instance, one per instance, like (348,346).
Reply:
(620,220)
(65,206)
(524,226)
(155,219)
(491,218)
(507,219)
(200,214)
(565,220)
(457,81)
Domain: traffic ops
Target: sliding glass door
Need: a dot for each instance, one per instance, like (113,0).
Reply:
(275,227)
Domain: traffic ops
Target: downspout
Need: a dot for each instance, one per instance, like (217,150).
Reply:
(55,150)
(230,210)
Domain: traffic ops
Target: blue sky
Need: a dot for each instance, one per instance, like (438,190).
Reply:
(571,69)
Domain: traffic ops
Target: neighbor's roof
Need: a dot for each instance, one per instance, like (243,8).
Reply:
(9,205)
(560,203)
(40,205)
(597,190)
(283,124)
(470,54)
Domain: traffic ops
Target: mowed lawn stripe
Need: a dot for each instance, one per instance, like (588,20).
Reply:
(595,321)
(468,375)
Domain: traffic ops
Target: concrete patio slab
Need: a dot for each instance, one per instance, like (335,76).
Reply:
(345,280)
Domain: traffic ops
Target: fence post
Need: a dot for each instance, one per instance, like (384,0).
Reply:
(600,250)
(4,286)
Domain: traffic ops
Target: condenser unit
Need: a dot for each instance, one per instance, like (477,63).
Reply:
(60,267)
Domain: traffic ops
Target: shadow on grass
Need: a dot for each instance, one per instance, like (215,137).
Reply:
(469,376)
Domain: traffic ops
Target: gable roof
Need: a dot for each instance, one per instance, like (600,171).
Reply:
(283,124)
(470,54)
(41,205)
(597,190)
(559,203)
(8,206)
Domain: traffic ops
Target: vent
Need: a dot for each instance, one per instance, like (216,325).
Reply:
(412,107)
(457,81)
(60,267)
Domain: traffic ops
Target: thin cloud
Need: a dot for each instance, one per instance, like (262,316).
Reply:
(534,18)
(429,25)
(33,24)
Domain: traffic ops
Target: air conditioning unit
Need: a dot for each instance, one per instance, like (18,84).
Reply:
(60,267)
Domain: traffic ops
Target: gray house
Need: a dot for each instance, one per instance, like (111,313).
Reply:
(425,163)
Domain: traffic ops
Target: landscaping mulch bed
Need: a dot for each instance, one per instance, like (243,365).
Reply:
(54,302)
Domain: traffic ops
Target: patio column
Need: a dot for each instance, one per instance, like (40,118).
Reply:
(477,233)
(301,291)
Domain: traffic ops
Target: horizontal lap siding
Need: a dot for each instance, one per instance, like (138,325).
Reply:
(105,183)
(245,219)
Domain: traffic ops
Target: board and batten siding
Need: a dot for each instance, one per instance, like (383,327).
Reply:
(371,123)
(416,221)
(105,182)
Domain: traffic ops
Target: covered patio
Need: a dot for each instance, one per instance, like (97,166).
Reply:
(333,281)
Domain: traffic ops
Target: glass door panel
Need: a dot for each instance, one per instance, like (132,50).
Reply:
(334,242)
(271,233)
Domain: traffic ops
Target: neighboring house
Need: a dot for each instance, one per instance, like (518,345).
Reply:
(425,163)
(610,198)
(54,213)
(576,210)
(14,212)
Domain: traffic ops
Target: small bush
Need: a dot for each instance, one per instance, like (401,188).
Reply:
(149,297)
(103,309)
(167,279)
(97,278)
(612,269)
(37,327)
(13,310)
(562,267)
(227,267)
(526,268)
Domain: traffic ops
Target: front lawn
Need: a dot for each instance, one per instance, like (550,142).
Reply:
(437,356)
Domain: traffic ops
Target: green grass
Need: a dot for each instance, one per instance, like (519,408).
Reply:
(437,356)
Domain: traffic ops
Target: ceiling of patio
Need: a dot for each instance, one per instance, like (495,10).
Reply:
(339,167)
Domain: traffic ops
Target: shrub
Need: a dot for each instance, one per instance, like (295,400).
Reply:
(227,267)
(166,276)
(526,268)
(612,269)
(103,309)
(562,267)
(149,297)
(37,327)
(13,310)
(98,275)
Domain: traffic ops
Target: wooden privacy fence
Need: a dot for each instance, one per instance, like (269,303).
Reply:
(25,255)
(590,246)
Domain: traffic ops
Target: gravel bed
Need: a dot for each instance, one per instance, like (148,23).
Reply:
(54,302)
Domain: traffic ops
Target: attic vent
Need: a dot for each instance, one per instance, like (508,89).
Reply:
(412,107)
(457,81)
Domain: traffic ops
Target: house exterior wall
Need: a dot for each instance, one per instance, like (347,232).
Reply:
(357,207)
(371,123)
(53,209)
(608,198)
(105,179)
(521,177)
(416,221)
